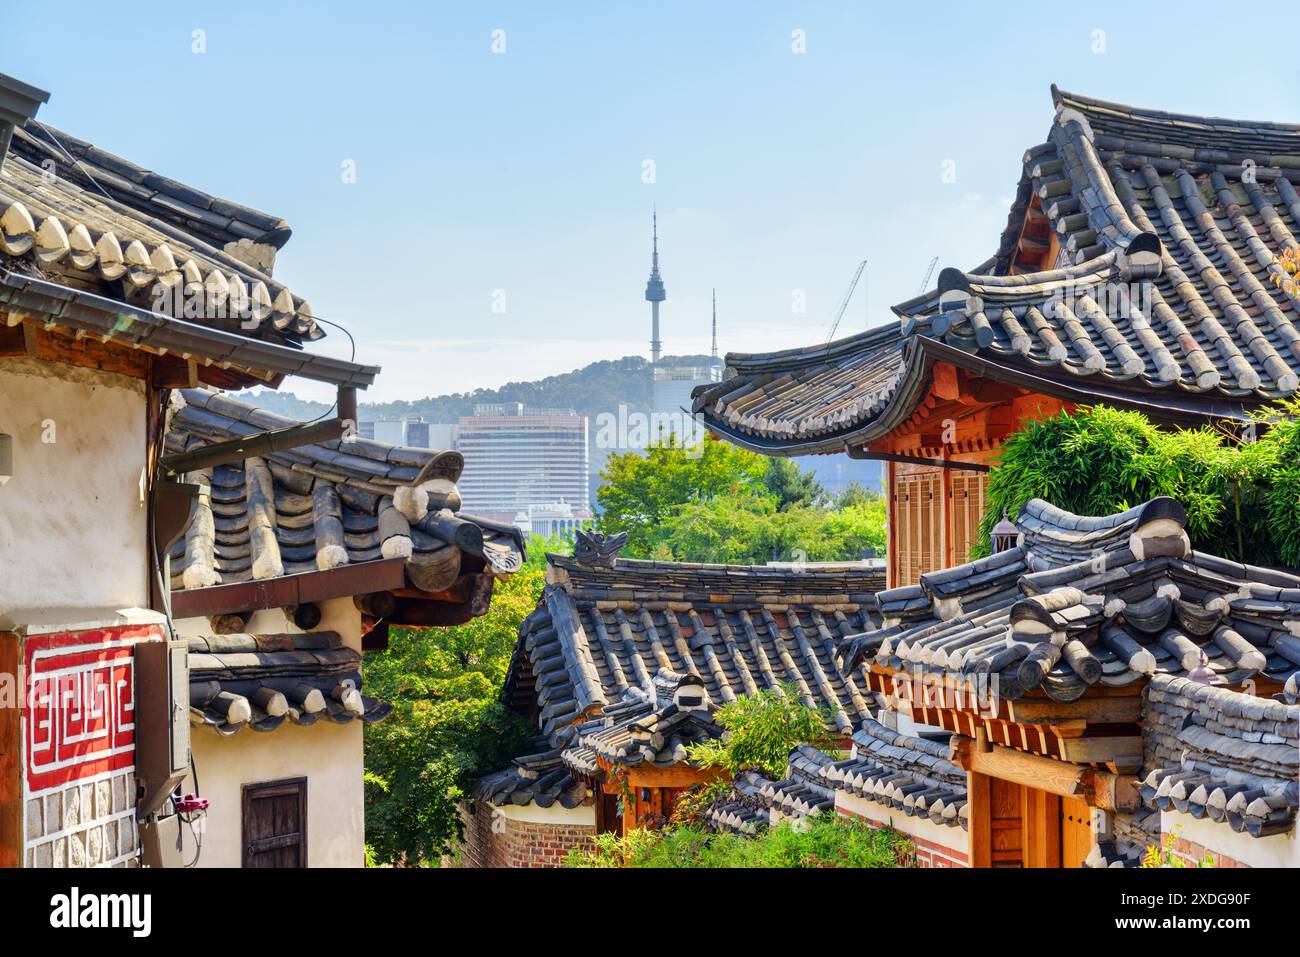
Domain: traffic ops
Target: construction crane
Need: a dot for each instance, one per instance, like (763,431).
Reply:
(929,271)
(844,303)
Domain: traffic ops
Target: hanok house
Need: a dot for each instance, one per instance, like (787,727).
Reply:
(623,665)
(1084,680)
(291,550)
(297,562)
(89,246)
(1137,269)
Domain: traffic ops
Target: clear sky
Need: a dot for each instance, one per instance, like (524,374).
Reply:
(523,171)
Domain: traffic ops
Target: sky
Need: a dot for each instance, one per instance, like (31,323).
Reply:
(507,156)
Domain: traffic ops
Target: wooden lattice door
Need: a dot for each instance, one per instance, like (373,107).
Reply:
(918,517)
(967,511)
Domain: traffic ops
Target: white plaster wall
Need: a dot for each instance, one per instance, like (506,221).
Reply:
(1277,850)
(557,813)
(329,755)
(72,525)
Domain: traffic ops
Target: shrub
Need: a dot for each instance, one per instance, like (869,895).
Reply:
(1242,497)
(823,840)
(761,731)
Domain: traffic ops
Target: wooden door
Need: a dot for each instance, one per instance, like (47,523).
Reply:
(1042,830)
(918,538)
(607,817)
(275,823)
(1006,824)
(1076,832)
(1014,825)
(966,500)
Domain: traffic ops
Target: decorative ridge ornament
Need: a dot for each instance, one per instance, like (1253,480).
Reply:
(597,548)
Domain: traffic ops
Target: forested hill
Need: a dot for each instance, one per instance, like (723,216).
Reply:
(593,389)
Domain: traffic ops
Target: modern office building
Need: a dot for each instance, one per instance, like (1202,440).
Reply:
(410,431)
(516,457)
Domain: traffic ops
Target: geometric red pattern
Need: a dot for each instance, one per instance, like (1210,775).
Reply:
(79,710)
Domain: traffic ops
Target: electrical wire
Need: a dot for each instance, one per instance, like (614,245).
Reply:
(72,159)
(351,358)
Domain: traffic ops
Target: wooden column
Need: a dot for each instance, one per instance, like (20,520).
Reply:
(947,517)
(980,823)
(891,530)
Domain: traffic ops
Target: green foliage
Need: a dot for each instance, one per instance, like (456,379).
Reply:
(824,840)
(719,503)
(762,729)
(692,807)
(791,486)
(447,727)
(1242,498)
(641,489)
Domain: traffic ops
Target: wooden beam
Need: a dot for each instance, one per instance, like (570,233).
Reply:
(249,446)
(1093,710)
(945,381)
(173,372)
(1120,750)
(363,578)
(1031,770)
(864,454)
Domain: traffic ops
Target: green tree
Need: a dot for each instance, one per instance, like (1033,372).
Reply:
(719,503)
(448,727)
(640,488)
(791,486)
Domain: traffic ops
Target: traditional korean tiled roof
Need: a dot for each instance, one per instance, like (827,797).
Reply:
(217,221)
(262,681)
(1084,601)
(912,775)
(317,507)
(1163,297)
(1133,834)
(656,731)
(1216,753)
(540,779)
(601,636)
(744,809)
(144,237)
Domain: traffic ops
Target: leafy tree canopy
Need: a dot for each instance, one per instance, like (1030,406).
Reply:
(448,727)
(716,502)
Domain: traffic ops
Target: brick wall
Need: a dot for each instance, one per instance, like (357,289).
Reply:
(1192,854)
(494,840)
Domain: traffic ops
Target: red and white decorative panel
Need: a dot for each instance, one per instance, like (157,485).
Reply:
(78,738)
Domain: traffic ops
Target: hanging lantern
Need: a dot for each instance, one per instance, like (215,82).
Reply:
(1005,535)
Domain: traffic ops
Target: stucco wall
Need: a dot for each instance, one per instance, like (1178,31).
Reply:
(329,755)
(72,526)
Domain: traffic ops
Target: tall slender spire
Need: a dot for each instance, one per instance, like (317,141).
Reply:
(715,324)
(654,289)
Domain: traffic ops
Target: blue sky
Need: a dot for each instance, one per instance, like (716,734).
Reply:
(522,171)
